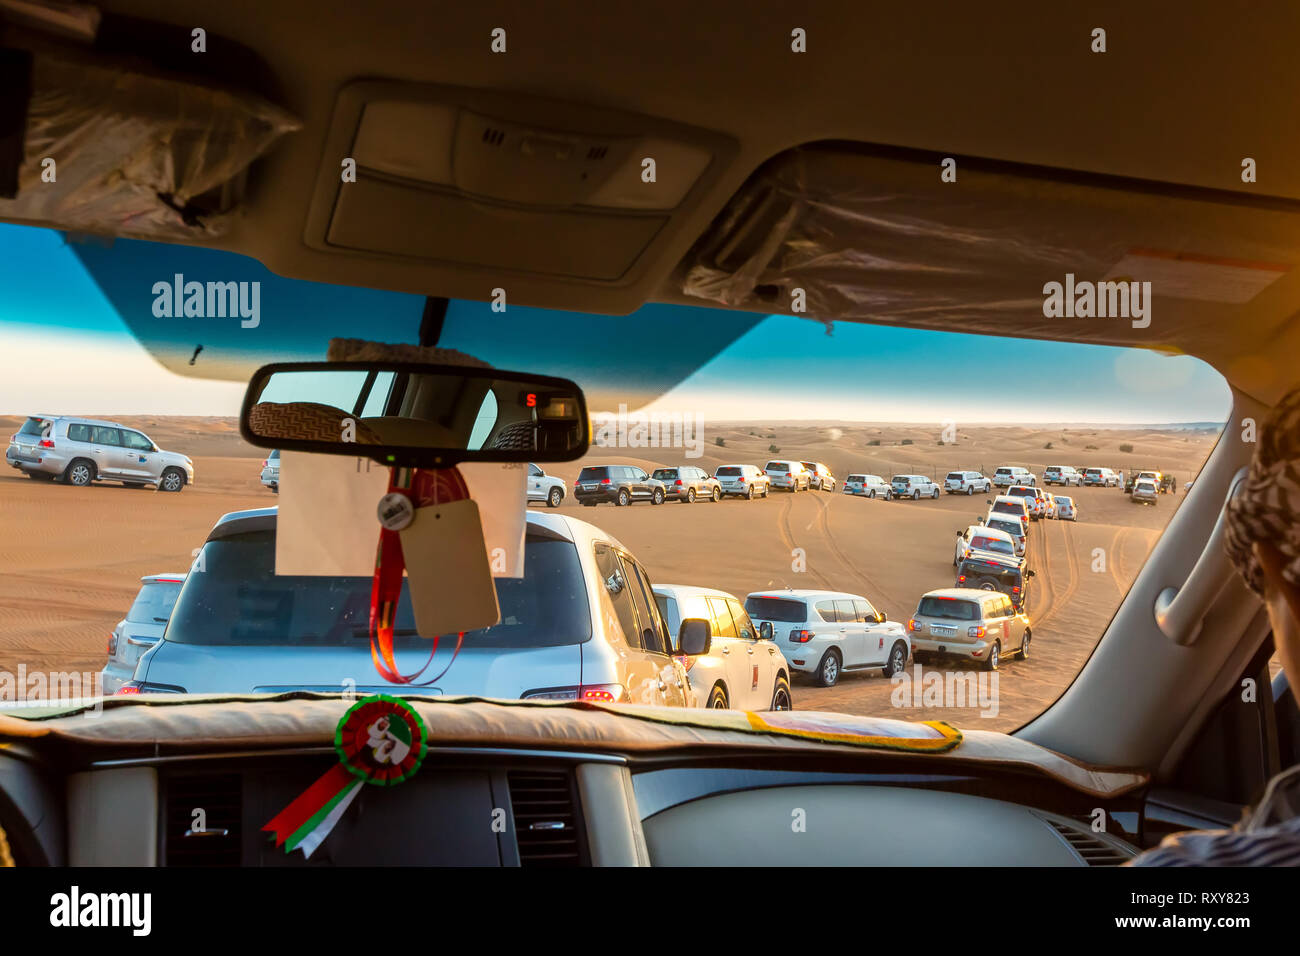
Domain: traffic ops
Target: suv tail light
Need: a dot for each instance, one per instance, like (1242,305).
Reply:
(604,481)
(1016,589)
(912,625)
(800,636)
(976,632)
(112,644)
(597,693)
(677,482)
(47,443)
(144,687)
(961,578)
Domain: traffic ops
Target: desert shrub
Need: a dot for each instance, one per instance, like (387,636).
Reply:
(773,449)
(1048,445)
(1089,447)
(1126,447)
(720,442)
(906,441)
(874,442)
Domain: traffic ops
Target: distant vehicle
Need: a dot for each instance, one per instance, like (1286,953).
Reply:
(742,670)
(1145,491)
(1101,478)
(821,479)
(80,451)
(141,629)
(825,633)
(995,573)
(1134,477)
(1009,525)
(966,483)
(869,486)
(790,475)
(271,471)
(970,625)
(1066,509)
(1009,475)
(686,483)
(544,487)
(981,539)
(1061,475)
(743,481)
(913,486)
(1051,504)
(619,484)
(1035,504)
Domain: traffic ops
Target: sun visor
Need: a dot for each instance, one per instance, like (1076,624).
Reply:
(112,149)
(887,236)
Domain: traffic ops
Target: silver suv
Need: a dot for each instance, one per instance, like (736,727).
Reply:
(79,451)
(271,471)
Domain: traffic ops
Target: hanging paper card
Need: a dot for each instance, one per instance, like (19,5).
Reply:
(450,581)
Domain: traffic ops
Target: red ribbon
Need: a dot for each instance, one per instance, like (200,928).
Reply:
(308,803)
(425,488)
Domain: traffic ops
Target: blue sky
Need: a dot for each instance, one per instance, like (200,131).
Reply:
(67,349)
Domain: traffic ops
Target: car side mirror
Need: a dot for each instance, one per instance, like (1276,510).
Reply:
(766,631)
(694,637)
(881,618)
(1029,574)
(988,501)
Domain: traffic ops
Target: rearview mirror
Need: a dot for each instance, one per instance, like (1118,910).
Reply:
(415,415)
(694,637)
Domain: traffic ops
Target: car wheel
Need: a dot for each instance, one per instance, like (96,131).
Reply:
(717,495)
(275,489)
(624,498)
(994,659)
(781,695)
(658,497)
(970,489)
(828,669)
(172,480)
(897,660)
(750,493)
(718,699)
(80,473)
(1024,645)
(871,493)
(690,496)
(916,495)
(554,498)
(935,494)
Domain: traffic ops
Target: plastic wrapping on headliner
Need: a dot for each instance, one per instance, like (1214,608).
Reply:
(908,245)
(883,238)
(132,151)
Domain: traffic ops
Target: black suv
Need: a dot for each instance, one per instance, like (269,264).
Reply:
(621,484)
(990,573)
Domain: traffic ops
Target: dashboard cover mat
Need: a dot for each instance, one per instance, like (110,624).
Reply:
(269,721)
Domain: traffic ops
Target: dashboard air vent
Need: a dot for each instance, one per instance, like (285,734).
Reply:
(1094,850)
(219,798)
(546,818)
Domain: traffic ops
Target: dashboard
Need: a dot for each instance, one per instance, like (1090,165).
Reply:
(493,806)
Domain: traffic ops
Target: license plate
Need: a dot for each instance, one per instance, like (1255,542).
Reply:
(589,487)
(941,631)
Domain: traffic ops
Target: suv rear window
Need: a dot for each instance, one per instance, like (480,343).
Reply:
(1007,508)
(777,466)
(957,475)
(785,610)
(728,472)
(857,478)
(240,600)
(594,474)
(1010,527)
(154,603)
(36,426)
(985,543)
(952,609)
(976,568)
(664,474)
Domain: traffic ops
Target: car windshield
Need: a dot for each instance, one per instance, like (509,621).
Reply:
(785,610)
(952,609)
(714,389)
(985,543)
(238,599)
(153,605)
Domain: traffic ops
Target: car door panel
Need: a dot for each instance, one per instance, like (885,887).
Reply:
(766,657)
(656,642)
(853,632)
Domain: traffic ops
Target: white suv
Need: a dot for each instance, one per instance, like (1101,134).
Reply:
(1009,475)
(966,483)
(1061,475)
(544,487)
(790,475)
(869,486)
(821,477)
(913,486)
(581,624)
(80,451)
(742,670)
(743,481)
(825,633)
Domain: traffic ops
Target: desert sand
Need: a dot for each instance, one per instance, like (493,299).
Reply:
(71,559)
